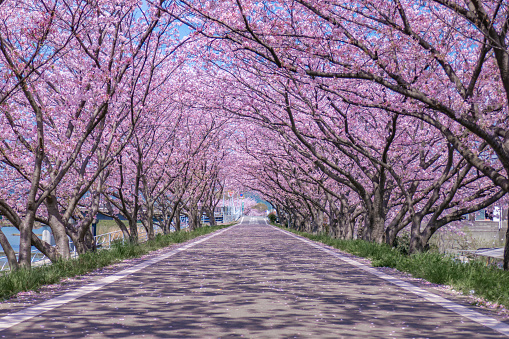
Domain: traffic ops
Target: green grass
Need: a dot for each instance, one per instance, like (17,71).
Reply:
(30,280)
(474,277)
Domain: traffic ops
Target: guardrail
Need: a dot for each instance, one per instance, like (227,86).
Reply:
(228,218)
(105,240)
(35,257)
(102,241)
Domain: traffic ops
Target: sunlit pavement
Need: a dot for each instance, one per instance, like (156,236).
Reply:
(252,280)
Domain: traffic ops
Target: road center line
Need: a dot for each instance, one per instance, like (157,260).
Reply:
(445,303)
(14,319)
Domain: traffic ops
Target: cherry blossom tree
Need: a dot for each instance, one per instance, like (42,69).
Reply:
(65,114)
(357,118)
(403,59)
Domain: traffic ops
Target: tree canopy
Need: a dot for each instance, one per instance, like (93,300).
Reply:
(356,118)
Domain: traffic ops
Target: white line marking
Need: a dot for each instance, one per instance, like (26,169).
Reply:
(445,303)
(30,312)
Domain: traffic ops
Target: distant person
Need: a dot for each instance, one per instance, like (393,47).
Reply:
(488,215)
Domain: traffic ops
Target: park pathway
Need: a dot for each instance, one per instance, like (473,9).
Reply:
(253,281)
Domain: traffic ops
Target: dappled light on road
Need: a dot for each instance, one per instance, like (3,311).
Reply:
(256,281)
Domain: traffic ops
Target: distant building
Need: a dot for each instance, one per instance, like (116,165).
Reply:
(490,213)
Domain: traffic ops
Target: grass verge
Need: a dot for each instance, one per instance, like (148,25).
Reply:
(31,280)
(472,278)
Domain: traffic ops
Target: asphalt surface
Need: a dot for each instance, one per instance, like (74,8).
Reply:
(250,281)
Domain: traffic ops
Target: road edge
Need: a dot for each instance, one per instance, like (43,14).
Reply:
(16,318)
(461,310)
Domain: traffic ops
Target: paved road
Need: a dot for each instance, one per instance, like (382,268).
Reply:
(251,281)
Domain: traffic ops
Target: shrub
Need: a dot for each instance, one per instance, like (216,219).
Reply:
(402,243)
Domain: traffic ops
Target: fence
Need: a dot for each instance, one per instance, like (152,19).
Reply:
(105,240)
(102,241)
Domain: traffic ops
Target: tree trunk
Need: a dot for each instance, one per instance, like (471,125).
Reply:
(169,220)
(122,227)
(374,227)
(348,226)
(9,252)
(133,231)
(298,223)
(307,225)
(318,221)
(291,221)
(419,241)
(89,240)
(390,235)
(83,242)
(506,247)
(148,222)
(360,227)
(177,220)
(333,227)
(45,248)
(194,218)
(283,220)
(416,244)
(416,239)
(25,241)
(210,215)
(333,218)
(61,242)
(165,224)
(58,228)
